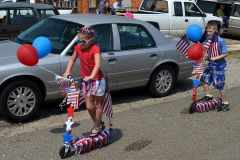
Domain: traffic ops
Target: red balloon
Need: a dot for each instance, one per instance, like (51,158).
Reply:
(195,52)
(27,55)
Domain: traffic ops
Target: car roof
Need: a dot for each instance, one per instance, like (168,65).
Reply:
(91,19)
(25,5)
(224,1)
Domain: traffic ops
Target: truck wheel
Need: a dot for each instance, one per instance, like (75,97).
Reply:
(20,100)
(161,81)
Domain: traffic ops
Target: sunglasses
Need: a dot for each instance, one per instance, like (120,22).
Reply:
(83,42)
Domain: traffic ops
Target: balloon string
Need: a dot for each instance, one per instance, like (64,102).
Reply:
(46,69)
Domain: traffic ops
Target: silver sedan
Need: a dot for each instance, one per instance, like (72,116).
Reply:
(134,53)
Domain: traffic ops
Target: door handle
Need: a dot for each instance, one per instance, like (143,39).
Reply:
(153,55)
(111,59)
(186,20)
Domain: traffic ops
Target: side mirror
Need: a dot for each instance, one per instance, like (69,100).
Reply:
(204,15)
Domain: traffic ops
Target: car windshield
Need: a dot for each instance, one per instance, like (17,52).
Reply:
(59,32)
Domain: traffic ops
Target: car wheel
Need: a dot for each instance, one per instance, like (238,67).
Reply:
(161,81)
(20,100)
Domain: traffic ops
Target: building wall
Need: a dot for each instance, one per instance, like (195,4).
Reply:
(83,6)
(135,4)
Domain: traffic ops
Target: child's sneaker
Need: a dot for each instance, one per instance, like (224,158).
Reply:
(224,107)
(205,99)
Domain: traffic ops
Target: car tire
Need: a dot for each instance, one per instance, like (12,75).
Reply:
(20,100)
(161,81)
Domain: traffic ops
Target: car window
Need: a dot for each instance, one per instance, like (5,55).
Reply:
(178,9)
(59,32)
(155,5)
(103,37)
(134,37)
(237,11)
(191,10)
(206,6)
(22,16)
(3,17)
(43,13)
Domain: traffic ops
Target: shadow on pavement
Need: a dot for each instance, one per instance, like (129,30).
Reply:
(118,97)
(63,129)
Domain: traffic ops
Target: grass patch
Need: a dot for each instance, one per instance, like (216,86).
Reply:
(233,43)
(235,54)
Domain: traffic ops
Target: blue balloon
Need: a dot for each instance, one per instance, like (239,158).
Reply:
(43,46)
(194,32)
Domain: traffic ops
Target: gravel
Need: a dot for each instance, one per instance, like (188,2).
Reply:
(51,115)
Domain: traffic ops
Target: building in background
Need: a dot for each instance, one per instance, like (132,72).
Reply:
(90,6)
(82,6)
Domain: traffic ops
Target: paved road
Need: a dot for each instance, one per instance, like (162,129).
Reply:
(161,131)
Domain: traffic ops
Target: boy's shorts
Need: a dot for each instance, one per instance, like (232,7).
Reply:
(215,75)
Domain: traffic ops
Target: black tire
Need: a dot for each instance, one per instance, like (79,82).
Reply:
(63,154)
(161,81)
(191,109)
(20,100)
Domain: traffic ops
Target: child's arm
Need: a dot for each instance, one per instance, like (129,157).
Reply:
(70,64)
(219,57)
(97,58)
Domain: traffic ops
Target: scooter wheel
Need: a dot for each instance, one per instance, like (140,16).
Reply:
(191,109)
(62,152)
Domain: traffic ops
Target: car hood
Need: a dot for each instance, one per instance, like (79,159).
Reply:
(8,49)
(8,55)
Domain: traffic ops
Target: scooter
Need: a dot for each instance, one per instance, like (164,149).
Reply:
(80,144)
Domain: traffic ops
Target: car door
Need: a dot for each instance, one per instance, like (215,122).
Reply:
(184,15)
(234,21)
(137,55)
(103,37)
(193,15)
(177,25)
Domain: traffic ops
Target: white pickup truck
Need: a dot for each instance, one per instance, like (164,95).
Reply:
(173,17)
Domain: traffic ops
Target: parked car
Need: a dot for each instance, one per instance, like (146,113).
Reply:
(134,53)
(18,16)
(173,17)
(231,10)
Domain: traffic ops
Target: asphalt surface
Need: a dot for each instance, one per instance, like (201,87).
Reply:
(160,131)
(163,130)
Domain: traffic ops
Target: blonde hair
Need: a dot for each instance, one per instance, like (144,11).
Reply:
(213,25)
